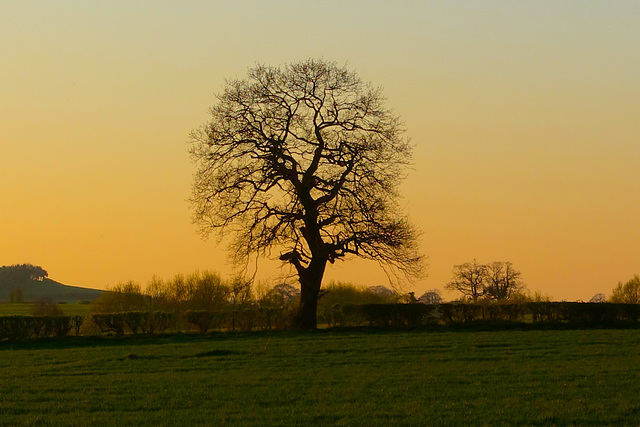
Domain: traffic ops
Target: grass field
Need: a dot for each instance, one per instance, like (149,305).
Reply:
(580,377)
(25,309)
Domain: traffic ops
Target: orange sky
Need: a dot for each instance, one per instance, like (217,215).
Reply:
(524,115)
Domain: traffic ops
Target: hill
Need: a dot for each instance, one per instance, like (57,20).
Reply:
(33,290)
(28,282)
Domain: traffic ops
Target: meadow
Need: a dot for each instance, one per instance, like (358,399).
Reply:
(25,309)
(341,377)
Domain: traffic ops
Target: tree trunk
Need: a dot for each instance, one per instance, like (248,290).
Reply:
(310,283)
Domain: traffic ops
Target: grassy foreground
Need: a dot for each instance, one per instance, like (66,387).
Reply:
(581,377)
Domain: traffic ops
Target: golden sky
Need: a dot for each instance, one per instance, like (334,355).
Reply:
(525,117)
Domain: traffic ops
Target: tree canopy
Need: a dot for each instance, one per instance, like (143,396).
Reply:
(21,273)
(305,160)
(628,292)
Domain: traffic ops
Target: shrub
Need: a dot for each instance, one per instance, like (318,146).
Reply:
(46,307)
(110,322)
(205,320)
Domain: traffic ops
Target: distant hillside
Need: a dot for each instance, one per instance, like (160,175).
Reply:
(33,290)
(28,282)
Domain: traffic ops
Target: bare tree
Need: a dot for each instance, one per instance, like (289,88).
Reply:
(469,279)
(502,281)
(305,160)
(494,281)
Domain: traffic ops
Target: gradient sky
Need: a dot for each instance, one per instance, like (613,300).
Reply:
(525,117)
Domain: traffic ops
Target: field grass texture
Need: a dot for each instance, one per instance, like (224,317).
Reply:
(25,309)
(357,377)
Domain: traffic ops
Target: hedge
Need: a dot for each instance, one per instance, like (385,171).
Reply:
(25,327)
(398,315)
(248,317)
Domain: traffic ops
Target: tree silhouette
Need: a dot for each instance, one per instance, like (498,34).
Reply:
(305,160)
(494,281)
(468,279)
(502,281)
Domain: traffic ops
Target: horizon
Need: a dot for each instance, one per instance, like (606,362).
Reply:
(523,117)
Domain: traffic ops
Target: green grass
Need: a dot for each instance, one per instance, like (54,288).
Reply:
(579,377)
(25,309)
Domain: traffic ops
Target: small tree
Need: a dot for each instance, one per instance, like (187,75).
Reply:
(502,281)
(469,279)
(599,297)
(628,292)
(306,160)
(46,307)
(207,291)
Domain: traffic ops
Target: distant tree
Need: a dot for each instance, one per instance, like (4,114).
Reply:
(305,160)
(280,296)
(382,291)
(21,273)
(469,279)
(207,291)
(502,281)
(494,281)
(628,292)
(600,297)
(431,297)
(123,297)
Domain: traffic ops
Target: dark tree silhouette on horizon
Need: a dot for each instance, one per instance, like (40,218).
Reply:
(469,279)
(305,161)
(21,273)
(495,281)
(503,281)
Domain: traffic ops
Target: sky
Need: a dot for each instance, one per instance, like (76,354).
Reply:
(524,117)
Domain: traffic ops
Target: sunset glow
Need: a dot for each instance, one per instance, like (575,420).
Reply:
(524,117)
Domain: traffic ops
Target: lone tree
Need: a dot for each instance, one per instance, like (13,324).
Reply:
(305,160)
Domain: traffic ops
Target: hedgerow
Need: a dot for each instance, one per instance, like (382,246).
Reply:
(246,317)
(25,327)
